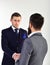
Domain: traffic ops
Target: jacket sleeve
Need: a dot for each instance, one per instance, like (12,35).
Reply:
(25,53)
(4,44)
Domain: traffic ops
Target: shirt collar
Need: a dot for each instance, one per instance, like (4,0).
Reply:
(14,28)
(33,33)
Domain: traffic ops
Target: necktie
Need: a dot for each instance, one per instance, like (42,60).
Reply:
(16,31)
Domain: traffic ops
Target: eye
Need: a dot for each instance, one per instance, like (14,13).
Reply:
(15,20)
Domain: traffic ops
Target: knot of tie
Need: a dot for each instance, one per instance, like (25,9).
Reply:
(17,30)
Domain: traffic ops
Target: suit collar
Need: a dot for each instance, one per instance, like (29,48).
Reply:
(13,28)
(35,34)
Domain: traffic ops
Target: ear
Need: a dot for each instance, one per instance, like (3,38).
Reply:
(10,20)
(30,25)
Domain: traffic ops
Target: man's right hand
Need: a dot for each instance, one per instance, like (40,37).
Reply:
(16,56)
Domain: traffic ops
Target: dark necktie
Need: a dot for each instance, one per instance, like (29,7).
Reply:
(16,31)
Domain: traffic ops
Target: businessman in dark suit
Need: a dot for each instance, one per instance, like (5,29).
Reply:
(12,40)
(35,47)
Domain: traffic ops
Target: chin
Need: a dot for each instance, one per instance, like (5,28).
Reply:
(16,27)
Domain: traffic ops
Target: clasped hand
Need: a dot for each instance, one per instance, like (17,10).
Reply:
(16,56)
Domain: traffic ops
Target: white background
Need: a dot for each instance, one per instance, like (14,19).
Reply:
(25,8)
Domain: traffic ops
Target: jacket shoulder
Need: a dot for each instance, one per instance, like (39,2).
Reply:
(29,44)
(5,30)
(23,30)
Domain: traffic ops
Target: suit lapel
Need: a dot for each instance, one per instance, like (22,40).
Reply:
(13,34)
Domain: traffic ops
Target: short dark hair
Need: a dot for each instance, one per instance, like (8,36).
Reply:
(37,20)
(15,14)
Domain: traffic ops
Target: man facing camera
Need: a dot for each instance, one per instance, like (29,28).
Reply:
(35,47)
(12,40)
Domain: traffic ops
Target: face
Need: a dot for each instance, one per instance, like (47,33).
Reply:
(16,21)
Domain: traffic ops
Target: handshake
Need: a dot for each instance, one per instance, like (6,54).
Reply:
(16,56)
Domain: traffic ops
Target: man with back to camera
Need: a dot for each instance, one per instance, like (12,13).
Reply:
(35,47)
(12,40)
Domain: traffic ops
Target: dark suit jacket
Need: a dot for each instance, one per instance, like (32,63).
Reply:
(11,43)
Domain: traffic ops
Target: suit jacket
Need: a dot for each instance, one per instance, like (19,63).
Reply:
(33,51)
(11,44)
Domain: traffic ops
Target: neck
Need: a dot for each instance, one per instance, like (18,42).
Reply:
(33,30)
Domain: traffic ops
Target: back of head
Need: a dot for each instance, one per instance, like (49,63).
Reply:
(37,20)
